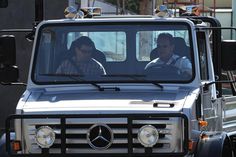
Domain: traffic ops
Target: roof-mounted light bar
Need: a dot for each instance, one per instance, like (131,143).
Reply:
(163,11)
(91,11)
(88,12)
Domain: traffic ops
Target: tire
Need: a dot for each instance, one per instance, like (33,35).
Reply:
(218,145)
(227,149)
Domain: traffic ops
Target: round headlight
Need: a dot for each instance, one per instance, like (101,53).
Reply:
(45,136)
(148,135)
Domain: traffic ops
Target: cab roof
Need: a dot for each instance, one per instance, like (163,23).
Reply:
(123,18)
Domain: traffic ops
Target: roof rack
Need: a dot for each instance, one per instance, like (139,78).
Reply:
(125,16)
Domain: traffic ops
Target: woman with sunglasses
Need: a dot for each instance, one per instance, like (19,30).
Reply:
(81,61)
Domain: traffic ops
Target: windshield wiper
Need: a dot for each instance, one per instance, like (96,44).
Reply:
(158,85)
(136,78)
(77,78)
(105,88)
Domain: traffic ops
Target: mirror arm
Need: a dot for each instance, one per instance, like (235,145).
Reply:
(207,85)
(15,30)
(13,83)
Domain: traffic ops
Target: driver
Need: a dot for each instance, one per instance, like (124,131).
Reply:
(165,48)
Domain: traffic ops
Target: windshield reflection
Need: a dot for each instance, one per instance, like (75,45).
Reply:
(114,53)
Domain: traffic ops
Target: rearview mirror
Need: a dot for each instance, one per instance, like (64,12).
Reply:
(228,55)
(3,3)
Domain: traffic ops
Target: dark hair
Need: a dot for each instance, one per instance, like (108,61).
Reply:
(167,36)
(83,40)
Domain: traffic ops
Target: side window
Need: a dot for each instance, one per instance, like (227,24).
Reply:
(46,50)
(228,89)
(202,50)
(146,43)
(112,44)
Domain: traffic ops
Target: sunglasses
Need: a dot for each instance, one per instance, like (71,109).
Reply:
(85,51)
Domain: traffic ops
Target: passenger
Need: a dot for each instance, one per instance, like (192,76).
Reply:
(81,61)
(165,48)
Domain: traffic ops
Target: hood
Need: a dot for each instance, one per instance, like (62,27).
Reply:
(74,101)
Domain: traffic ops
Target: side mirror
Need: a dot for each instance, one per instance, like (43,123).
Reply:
(9,74)
(7,50)
(228,55)
(3,3)
(8,70)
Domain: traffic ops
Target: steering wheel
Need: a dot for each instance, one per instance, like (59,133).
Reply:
(163,72)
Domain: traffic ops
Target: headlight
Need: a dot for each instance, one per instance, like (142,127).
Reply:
(148,135)
(45,136)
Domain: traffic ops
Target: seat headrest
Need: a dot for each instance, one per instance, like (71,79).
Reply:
(180,49)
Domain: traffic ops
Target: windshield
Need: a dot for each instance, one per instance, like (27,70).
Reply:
(121,52)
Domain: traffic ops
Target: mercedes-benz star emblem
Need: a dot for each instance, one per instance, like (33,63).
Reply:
(100,136)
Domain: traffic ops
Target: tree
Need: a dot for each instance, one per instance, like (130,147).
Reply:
(141,7)
(145,7)
(131,5)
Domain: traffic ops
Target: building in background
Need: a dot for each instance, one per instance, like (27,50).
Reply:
(222,10)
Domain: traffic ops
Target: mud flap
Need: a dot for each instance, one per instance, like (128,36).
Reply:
(215,145)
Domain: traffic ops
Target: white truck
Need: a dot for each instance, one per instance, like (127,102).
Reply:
(127,111)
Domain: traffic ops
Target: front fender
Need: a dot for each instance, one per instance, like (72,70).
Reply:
(214,145)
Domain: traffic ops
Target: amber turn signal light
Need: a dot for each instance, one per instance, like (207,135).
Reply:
(16,146)
(202,123)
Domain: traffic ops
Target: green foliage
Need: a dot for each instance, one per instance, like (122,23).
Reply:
(131,5)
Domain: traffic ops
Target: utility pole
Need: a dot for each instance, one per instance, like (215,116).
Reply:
(145,7)
(84,3)
(39,10)
(234,17)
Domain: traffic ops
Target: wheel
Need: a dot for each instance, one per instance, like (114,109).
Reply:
(218,145)
(227,149)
